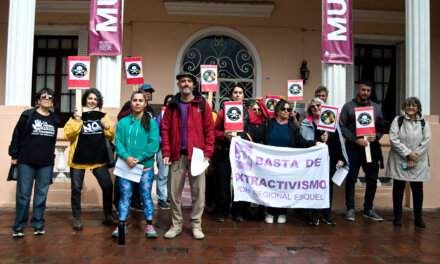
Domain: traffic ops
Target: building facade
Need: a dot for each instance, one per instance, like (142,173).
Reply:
(257,44)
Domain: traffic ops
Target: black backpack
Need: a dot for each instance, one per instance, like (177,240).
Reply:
(400,122)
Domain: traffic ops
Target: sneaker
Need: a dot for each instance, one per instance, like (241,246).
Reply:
(220,218)
(281,219)
(77,224)
(268,219)
(198,234)
(39,232)
(18,234)
(419,223)
(237,218)
(115,232)
(328,220)
(164,205)
(172,233)
(150,232)
(350,215)
(314,220)
(371,214)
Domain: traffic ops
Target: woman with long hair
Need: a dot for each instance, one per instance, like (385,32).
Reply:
(32,151)
(87,134)
(137,141)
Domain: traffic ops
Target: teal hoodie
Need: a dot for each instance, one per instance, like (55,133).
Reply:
(133,141)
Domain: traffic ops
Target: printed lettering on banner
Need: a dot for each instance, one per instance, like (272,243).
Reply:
(233,116)
(280,177)
(134,73)
(271,101)
(209,77)
(295,90)
(365,121)
(328,118)
(79,72)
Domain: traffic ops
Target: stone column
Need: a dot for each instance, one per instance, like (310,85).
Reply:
(20,49)
(418,77)
(334,77)
(108,80)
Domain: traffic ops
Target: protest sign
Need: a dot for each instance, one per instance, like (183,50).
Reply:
(280,177)
(233,116)
(271,101)
(79,72)
(134,73)
(365,121)
(328,118)
(209,78)
(295,90)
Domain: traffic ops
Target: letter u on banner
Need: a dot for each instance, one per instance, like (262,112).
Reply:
(105,27)
(337,36)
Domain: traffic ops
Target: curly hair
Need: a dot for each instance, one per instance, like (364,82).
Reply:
(413,101)
(99,98)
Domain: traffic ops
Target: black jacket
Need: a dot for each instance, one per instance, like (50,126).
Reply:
(293,128)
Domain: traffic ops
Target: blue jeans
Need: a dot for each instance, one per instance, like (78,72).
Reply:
(126,190)
(162,178)
(26,175)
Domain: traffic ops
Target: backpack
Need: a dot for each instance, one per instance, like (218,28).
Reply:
(400,122)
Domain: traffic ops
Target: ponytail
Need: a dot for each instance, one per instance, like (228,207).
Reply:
(145,121)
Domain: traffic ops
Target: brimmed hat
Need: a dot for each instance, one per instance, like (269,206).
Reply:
(187,74)
(146,87)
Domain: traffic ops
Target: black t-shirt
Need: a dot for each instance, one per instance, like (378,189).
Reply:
(38,146)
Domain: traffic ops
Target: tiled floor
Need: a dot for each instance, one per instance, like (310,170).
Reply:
(249,242)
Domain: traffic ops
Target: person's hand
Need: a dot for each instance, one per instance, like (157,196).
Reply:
(362,142)
(340,164)
(413,156)
(131,162)
(324,137)
(14,161)
(166,161)
(207,159)
(104,124)
(411,164)
(76,115)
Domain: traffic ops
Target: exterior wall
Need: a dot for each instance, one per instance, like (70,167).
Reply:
(435,57)
(291,34)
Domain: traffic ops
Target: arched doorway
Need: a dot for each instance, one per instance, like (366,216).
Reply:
(237,64)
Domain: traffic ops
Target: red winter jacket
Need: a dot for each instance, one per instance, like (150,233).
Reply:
(200,129)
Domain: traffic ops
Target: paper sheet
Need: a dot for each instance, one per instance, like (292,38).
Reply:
(198,162)
(124,171)
(339,175)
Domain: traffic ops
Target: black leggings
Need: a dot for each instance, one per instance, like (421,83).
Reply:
(105,182)
(417,194)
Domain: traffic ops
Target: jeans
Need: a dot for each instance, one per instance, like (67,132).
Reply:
(105,182)
(357,159)
(26,175)
(162,178)
(417,194)
(126,191)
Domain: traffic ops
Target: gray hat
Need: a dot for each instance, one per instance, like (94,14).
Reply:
(187,74)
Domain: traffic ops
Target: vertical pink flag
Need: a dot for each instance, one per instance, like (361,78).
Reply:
(105,27)
(337,37)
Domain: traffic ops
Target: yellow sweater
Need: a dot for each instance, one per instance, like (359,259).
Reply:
(72,130)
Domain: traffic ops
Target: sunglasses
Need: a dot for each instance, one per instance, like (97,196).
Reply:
(286,109)
(315,106)
(256,109)
(46,96)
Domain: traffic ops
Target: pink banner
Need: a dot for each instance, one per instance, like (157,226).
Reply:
(105,27)
(337,37)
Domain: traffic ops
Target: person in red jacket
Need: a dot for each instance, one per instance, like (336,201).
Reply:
(186,124)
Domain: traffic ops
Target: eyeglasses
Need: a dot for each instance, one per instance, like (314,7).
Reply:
(46,96)
(256,109)
(286,109)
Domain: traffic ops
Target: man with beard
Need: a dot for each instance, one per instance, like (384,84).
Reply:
(186,124)
(356,152)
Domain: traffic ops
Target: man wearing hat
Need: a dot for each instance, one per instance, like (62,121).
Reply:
(186,124)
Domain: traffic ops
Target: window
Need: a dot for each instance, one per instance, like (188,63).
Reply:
(50,70)
(235,64)
(377,64)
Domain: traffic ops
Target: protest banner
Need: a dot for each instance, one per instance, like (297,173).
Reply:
(295,90)
(134,73)
(280,177)
(337,33)
(105,27)
(233,116)
(328,118)
(365,126)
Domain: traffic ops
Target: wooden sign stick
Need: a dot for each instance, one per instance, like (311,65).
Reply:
(294,105)
(368,151)
(78,103)
(210,95)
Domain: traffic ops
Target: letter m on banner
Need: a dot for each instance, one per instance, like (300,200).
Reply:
(337,37)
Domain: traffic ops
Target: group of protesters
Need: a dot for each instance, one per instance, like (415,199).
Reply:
(187,121)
